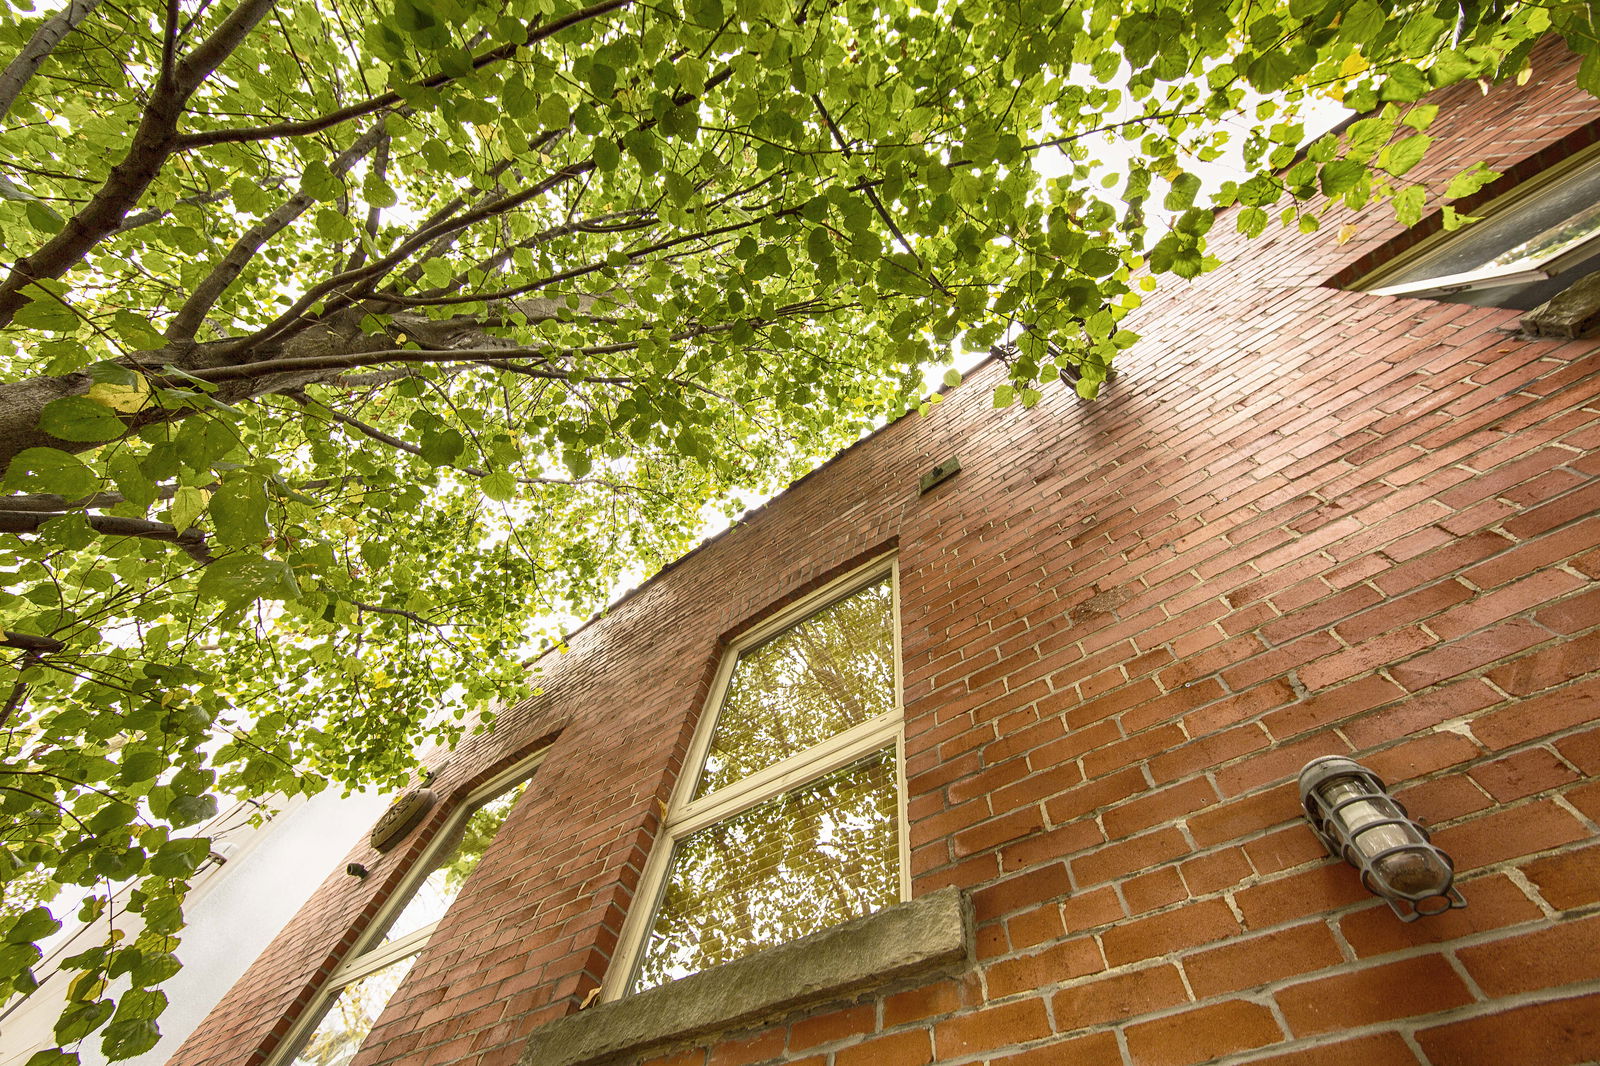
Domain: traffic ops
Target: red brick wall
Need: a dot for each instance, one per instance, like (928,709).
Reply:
(1303,521)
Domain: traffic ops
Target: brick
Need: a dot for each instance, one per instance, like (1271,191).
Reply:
(1262,960)
(1541,716)
(1244,817)
(1303,894)
(1582,750)
(1564,953)
(1154,890)
(1093,795)
(1563,1032)
(990,1028)
(1117,997)
(1404,989)
(1374,1049)
(1089,1048)
(913,1048)
(1161,934)
(1130,856)
(1056,964)
(1567,880)
(1051,845)
(1548,667)
(1508,834)
(1089,910)
(1222,869)
(1523,774)
(1493,902)
(1468,653)
(1158,806)
(831,1027)
(1203,1034)
(762,1047)
(1285,849)
(920,1004)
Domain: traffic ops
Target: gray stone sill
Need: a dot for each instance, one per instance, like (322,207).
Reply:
(920,937)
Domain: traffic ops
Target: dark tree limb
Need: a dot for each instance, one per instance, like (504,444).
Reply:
(152,143)
(190,540)
(30,642)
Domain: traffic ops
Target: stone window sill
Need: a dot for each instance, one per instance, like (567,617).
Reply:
(919,937)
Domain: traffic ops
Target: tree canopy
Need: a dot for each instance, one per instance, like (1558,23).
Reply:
(343,340)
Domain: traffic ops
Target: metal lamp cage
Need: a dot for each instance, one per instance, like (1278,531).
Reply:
(1356,819)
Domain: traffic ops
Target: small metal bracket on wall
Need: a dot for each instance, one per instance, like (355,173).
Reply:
(943,472)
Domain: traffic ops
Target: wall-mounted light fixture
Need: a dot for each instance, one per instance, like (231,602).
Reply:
(1358,821)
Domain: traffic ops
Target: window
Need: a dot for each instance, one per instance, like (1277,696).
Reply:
(1528,246)
(362,985)
(788,819)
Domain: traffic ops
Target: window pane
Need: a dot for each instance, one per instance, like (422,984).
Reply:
(1524,233)
(434,896)
(352,1015)
(813,857)
(830,672)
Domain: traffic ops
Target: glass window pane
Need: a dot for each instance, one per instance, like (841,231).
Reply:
(438,890)
(817,855)
(1546,222)
(812,681)
(347,1023)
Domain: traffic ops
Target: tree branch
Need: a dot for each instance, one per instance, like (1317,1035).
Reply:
(390,99)
(152,143)
(29,642)
(190,540)
(44,40)
(192,314)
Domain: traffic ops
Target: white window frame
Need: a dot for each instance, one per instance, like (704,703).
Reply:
(378,954)
(1490,276)
(686,815)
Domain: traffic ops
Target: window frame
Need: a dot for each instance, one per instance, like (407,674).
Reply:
(375,954)
(685,815)
(1488,276)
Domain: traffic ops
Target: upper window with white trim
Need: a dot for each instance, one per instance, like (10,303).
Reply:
(361,987)
(1526,247)
(789,817)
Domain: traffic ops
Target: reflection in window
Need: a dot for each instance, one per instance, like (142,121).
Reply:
(438,890)
(1527,248)
(832,671)
(363,985)
(812,714)
(350,1019)
(815,856)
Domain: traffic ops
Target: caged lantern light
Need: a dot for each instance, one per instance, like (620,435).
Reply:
(1357,820)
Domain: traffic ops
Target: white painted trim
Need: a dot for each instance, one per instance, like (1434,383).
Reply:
(686,815)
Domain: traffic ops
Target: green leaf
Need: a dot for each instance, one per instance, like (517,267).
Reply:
(130,1037)
(442,447)
(1406,153)
(180,858)
(52,1057)
(1469,181)
(78,418)
(46,312)
(49,470)
(188,504)
(952,377)
(32,924)
(241,578)
(553,113)
(1340,176)
(239,510)
(81,1019)
(499,485)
